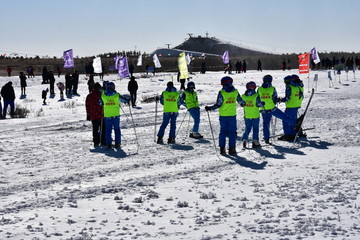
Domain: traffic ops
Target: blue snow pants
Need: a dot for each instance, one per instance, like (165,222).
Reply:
(227,129)
(113,122)
(251,124)
(168,117)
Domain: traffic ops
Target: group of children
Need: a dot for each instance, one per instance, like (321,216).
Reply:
(103,104)
(255,103)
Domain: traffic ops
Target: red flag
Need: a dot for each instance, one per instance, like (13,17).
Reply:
(304,63)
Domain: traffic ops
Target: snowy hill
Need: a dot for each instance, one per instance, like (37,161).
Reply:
(54,185)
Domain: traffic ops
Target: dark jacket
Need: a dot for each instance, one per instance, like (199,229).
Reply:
(93,107)
(132,86)
(7,91)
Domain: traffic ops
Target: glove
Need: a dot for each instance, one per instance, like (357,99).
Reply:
(157,98)
(279,99)
(88,117)
(207,108)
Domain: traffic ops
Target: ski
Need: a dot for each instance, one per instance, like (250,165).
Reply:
(301,118)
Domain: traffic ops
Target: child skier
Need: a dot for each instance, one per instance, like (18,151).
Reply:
(251,114)
(226,102)
(190,100)
(170,98)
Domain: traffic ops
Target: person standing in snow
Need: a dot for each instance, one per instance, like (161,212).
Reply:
(268,95)
(9,70)
(226,102)
(251,106)
(132,88)
(110,100)
(52,82)
(43,95)
(170,99)
(182,81)
(8,94)
(61,88)
(294,95)
(95,114)
(23,83)
(75,82)
(68,83)
(189,98)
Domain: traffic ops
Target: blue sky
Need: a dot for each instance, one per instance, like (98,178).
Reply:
(90,27)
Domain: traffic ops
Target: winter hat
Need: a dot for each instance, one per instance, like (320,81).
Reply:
(97,86)
(191,85)
(251,85)
(110,85)
(267,78)
(296,78)
(170,84)
(288,79)
(226,81)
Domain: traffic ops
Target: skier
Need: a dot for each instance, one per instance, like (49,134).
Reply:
(226,102)
(170,98)
(68,83)
(110,100)
(190,100)
(95,114)
(294,95)
(251,105)
(268,95)
(132,88)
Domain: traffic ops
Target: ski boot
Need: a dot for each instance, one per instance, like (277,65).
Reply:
(196,135)
(171,140)
(117,145)
(232,151)
(244,144)
(109,147)
(160,140)
(222,151)
(255,144)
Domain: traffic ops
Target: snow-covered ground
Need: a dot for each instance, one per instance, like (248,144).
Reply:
(53,185)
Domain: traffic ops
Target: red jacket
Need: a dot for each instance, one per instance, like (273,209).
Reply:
(93,107)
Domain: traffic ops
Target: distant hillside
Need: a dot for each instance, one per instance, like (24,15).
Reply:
(216,46)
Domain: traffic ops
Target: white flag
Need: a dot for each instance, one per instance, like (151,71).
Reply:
(188,59)
(97,65)
(156,61)
(139,61)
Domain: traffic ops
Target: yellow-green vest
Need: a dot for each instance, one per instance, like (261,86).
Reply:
(295,100)
(250,109)
(266,95)
(228,108)
(171,101)
(191,100)
(111,105)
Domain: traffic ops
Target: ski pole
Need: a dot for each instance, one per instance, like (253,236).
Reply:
(211,129)
(181,122)
(155,124)
(133,123)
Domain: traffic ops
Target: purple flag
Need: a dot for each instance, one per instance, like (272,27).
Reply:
(123,68)
(315,56)
(68,59)
(225,57)
(116,59)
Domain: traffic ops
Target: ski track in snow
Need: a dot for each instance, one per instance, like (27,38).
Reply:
(54,185)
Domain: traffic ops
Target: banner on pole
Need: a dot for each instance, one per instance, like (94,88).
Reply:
(123,67)
(304,63)
(156,61)
(97,65)
(68,58)
(315,56)
(182,64)
(225,57)
(139,61)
